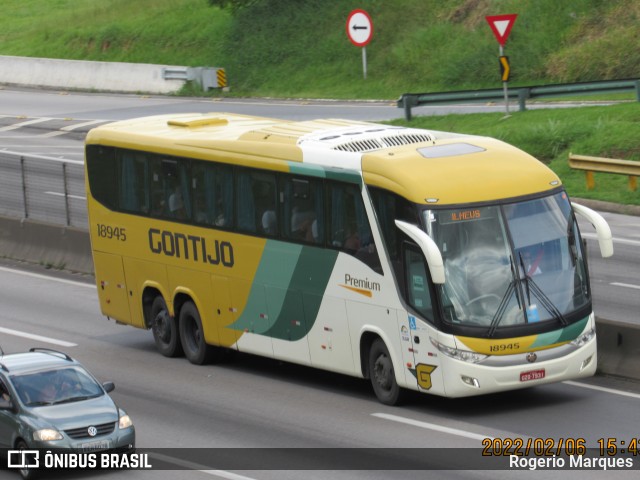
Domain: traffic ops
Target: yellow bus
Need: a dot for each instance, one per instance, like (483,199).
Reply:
(422,260)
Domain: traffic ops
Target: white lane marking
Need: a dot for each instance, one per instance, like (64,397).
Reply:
(46,277)
(38,338)
(55,133)
(625,241)
(15,126)
(626,285)
(44,147)
(431,426)
(200,468)
(68,128)
(58,194)
(603,389)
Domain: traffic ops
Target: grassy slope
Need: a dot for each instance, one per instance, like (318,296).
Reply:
(300,49)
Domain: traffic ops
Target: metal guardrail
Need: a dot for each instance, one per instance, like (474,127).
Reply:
(206,77)
(41,188)
(606,165)
(521,94)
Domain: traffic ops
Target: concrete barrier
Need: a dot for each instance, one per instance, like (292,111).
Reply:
(618,348)
(85,75)
(52,246)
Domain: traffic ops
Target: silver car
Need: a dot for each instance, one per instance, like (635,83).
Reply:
(49,401)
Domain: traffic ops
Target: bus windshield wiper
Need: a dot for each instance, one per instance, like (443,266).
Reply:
(526,284)
(495,321)
(546,302)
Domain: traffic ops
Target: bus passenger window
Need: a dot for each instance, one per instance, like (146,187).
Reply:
(256,195)
(350,229)
(304,210)
(133,182)
(212,187)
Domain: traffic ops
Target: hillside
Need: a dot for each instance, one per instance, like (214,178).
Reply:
(292,48)
(295,48)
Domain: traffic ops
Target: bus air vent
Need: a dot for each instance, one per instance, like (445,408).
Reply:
(370,144)
(360,145)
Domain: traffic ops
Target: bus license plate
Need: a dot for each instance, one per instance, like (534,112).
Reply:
(95,446)
(532,375)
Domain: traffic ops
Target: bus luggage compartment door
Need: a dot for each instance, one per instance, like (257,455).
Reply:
(112,288)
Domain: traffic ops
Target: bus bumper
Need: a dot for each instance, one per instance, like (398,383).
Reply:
(465,379)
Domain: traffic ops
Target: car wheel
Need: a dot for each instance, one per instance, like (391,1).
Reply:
(383,377)
(165,329)
(192,335)
(27,473)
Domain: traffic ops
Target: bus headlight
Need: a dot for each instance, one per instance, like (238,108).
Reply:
(458,354)
(583,339)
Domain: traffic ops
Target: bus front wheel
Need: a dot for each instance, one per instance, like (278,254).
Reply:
(383,377)
(165,329)
(192,335)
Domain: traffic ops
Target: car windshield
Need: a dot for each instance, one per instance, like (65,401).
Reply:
(50,387)
(510,264)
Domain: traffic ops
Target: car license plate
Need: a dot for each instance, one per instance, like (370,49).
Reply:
(532,375)
(95,446)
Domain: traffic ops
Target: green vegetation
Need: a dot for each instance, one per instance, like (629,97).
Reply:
(295,48)
(300,48)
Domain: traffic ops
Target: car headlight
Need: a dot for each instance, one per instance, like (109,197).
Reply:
(47,435)
(464,355)
(125,422)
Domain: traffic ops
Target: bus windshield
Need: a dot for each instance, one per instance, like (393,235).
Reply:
(511,264)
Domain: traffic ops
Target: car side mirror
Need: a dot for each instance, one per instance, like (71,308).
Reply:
(5,404)
(108,386)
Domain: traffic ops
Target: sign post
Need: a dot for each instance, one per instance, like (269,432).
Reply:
(501,26)
(360,31)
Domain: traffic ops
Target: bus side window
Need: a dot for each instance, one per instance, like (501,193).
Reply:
(256,195)
(349,225)
(133,182)
(212,188)
(417,292)
(103,174)
(303,206)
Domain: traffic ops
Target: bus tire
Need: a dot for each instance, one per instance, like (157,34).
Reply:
(165,329)
(382,374)
(192,335)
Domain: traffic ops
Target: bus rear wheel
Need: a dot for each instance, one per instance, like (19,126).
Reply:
(192,335)
(383,377)
(165,329)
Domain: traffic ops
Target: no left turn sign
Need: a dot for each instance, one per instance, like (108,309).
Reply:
(359,28)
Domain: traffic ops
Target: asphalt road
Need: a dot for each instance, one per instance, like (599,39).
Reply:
(249,402)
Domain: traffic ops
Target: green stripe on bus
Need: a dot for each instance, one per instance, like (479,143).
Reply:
(287,290)
(302,300)
(330,173)
(562,335)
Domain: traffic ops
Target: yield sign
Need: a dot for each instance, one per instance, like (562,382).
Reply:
(501,26)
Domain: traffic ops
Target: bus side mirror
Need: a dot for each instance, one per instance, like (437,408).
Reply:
(605,239)
(429,249)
